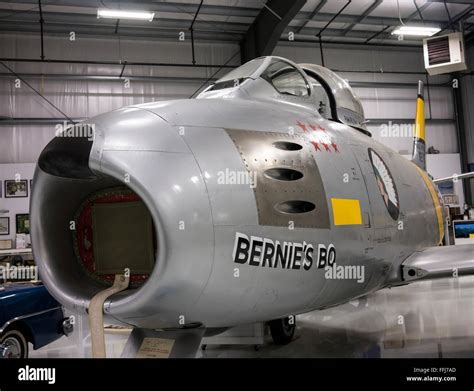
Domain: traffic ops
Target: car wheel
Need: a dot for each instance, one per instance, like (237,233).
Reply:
(282,330)
(14,344)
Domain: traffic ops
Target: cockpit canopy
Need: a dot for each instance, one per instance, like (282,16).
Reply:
(346,105)
(307,84)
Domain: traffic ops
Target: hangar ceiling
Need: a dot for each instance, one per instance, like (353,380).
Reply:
(338,21)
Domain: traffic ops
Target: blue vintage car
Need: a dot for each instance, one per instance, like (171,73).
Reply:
(28,313)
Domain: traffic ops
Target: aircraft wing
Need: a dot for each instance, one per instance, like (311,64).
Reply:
(436,262)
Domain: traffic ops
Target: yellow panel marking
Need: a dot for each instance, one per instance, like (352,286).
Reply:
(437,205)
(420,119)
(346,212)
(471,236)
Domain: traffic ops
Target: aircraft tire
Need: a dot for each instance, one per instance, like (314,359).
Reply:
(282,330)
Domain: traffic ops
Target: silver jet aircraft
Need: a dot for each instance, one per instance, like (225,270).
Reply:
(262,198)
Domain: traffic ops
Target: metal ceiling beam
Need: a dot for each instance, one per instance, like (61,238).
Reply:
(311,16)
(392,44)
(116,63)
(346,18)
(37,121)
(108,32)
(321,31)
(382,35)
(264,33)
(217,10)
(35,91)
(468,2)
(88,18)
(87,23)
(92,21)
(378,33)
(419,10)
(366,13)
(171,33)
(459,17)
(223,10)
(339,33)
(83,24)
(107,78)
(170,7)
(174,79)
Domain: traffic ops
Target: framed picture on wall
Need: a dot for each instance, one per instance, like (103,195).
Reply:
(16,189)
(4,225)
(23,223)
(6,244)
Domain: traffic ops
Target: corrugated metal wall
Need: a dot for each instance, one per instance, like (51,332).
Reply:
(383,101)
(87,98)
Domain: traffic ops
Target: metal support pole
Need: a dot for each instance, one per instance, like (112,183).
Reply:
(192,45)
(461,133)
(41,27)
(325,27)
(191,28)
(321,50)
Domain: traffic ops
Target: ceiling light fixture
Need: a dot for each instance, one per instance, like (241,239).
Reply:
(122,14)
(416,31)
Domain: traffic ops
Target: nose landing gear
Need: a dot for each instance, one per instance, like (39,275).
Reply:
(283,330)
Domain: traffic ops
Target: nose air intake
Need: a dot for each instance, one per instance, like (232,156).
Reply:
(67,157)
(86,226)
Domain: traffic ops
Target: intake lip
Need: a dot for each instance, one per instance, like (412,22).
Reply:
(67,157)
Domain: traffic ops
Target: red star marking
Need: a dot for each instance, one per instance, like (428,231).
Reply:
(316,146)
(302,126)
(313,127)
(326,147)
(334,145)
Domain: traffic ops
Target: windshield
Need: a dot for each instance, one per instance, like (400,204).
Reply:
(243,71)
(285,78)
(342,91)
(347,107)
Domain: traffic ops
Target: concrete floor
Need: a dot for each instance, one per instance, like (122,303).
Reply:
(426,319)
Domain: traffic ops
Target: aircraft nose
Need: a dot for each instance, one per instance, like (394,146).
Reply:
(131,149)
(135,129)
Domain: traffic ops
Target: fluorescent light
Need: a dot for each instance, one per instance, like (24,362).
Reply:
(121,14)
(416,30)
